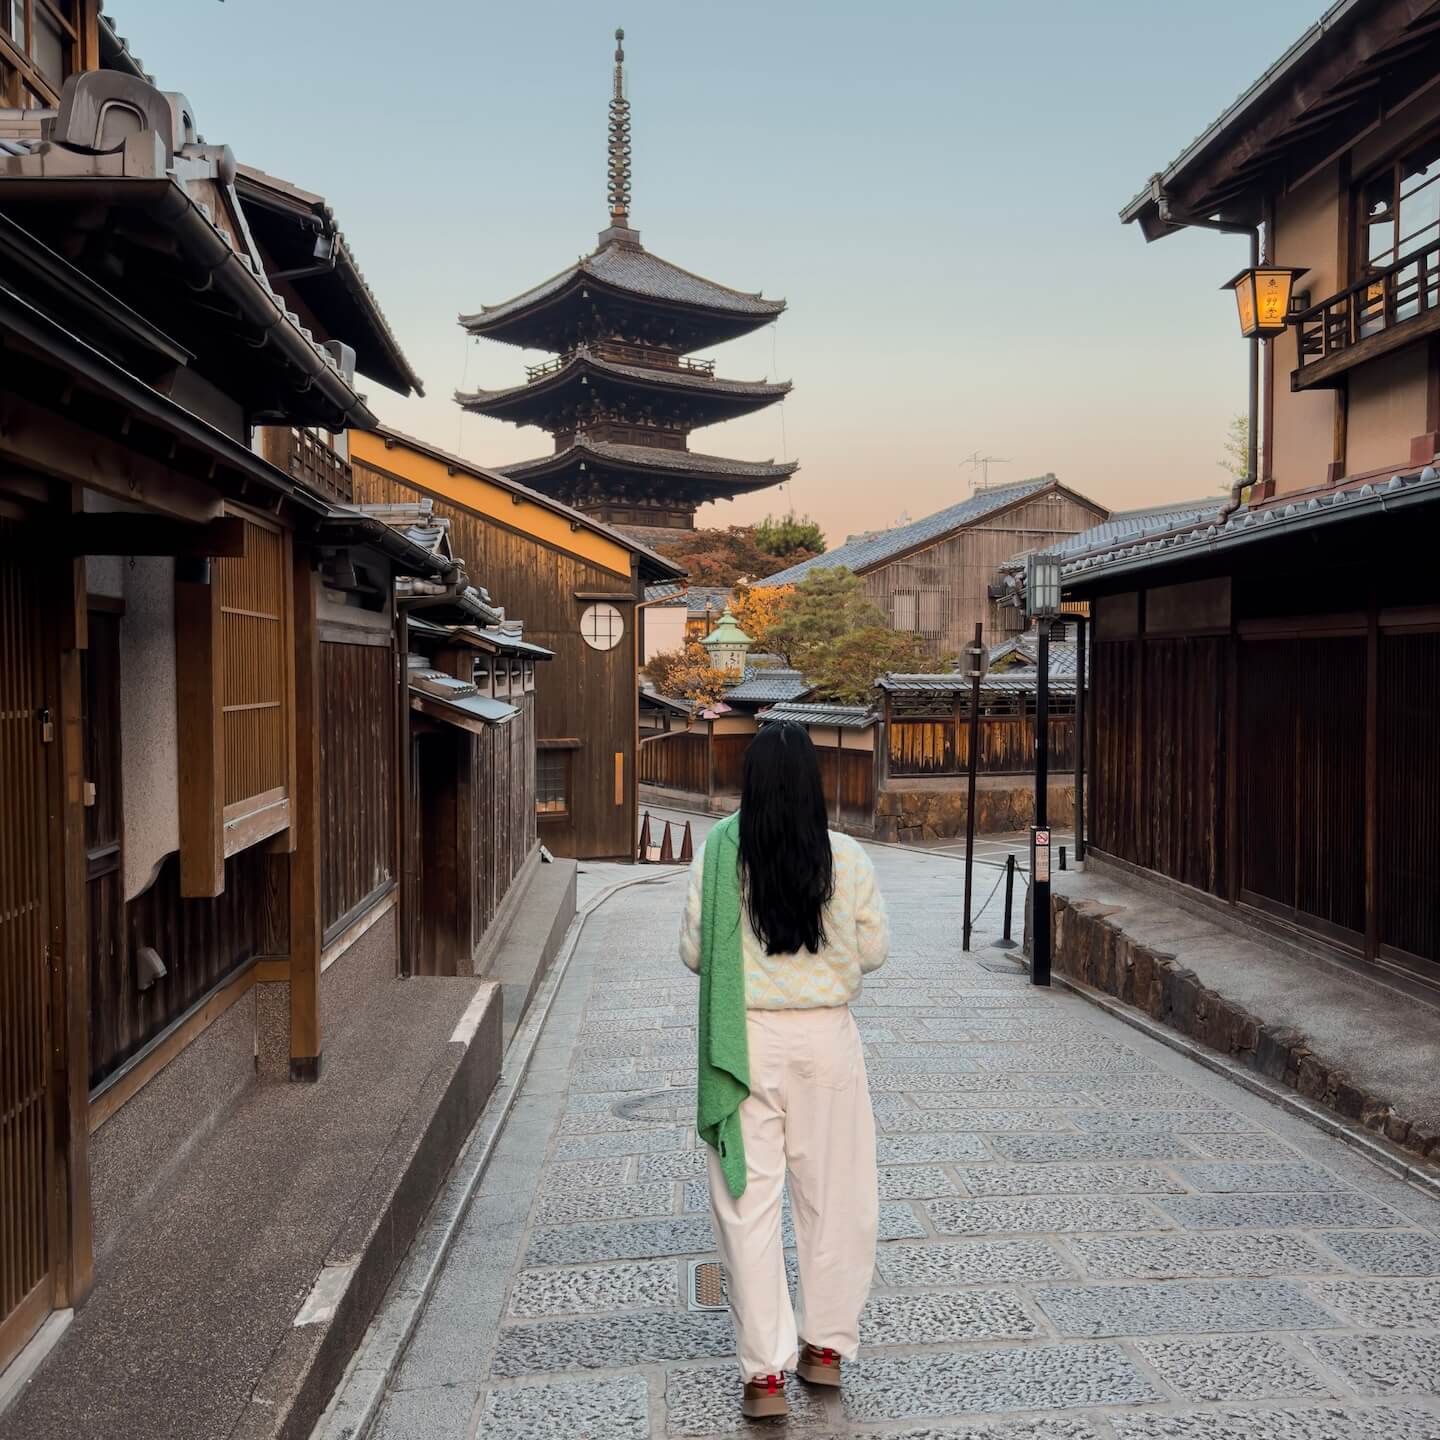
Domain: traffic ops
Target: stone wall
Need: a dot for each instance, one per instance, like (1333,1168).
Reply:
(912,812)
(1091,947)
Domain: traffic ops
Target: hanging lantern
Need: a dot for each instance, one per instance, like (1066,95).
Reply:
(1262,298)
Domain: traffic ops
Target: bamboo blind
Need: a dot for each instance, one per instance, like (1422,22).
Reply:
(253,677)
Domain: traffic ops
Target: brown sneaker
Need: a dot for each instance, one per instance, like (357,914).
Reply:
(819,1367)
(765,1396)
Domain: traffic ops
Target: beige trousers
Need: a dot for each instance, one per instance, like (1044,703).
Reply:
(809,1112)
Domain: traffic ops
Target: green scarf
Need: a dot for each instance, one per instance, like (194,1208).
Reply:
(724,1072)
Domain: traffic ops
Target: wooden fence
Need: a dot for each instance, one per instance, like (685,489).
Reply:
(1007,745)
(677,762)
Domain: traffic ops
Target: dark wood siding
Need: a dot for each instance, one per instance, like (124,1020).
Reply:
(538,584)
(1409,809)
(1007,745)
(677,762)
(357,780)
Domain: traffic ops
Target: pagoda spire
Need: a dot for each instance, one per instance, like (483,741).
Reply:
(618,166)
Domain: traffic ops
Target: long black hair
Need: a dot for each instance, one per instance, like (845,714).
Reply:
(787,874)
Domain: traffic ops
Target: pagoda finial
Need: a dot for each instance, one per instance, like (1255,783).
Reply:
(618,169)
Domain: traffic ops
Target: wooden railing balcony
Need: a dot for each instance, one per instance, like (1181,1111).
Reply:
(303,455)
(622,354)
(1389,308)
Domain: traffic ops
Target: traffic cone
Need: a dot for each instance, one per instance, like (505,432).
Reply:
(644,856)
(687,846)
(667,851)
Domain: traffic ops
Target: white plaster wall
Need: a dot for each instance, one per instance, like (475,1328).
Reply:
(149,742)
(664,630)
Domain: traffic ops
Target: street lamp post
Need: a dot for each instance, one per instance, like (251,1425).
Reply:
(1042,601)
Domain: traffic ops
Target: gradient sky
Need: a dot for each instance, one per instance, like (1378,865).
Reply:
(933,187)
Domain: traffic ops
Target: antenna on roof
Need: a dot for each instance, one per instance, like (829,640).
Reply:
(618,167)
(980,466)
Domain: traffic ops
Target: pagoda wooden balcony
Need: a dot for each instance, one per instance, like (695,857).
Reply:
(621,354)
(1389,308)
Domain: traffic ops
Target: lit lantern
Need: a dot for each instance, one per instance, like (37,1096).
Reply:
(1042,586)
(1262,298)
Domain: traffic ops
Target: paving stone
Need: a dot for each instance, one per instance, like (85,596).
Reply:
(919,1121)
(707,1402)
(1177,1122)
(1033,1057)
(998,1095)
(978,1381)
(1162,1307)
(1384,1304)
(1035,1148)
(916,1081)
(625,1047)
(941,1066)
(1240,1179)
(1383,1364)
(1030,1215)
(1067,1180)
(681,1165)
(615,1409)
(583,1174)
(1044,1427)
(588,1147)
(928,1149)
(611,1342)
(1173,1256)
(1386,1252)
(1261,1212)
(898,1220)
(1237,1367)
(1130,1090)
(651,1283)
(633,1240)
(935,1319)
(1328,1423)
(915,1182)
(1261,1145)
(625,1202)
(971,1262)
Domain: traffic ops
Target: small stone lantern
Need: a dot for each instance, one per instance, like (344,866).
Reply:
(727,645)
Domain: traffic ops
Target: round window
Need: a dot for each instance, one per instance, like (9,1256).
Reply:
(601,626)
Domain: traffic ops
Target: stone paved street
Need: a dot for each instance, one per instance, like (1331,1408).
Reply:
(1087,1236)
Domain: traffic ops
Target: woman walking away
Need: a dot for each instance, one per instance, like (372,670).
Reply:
(782,920)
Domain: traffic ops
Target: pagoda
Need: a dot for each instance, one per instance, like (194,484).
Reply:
(622,393)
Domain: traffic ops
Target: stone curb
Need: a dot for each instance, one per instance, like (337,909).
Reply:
(1377,1152)
(355,1406)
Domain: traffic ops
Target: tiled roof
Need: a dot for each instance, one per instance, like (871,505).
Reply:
(1027,646)
(847,717)
(628,267)
(583,358)
(872,550)
(670,592)
(1156,520)
(761,686)
(1014,682)
(1256,525)
(648,457)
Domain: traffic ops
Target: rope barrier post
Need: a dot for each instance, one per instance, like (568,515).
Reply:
(1005,942)
(1062,857)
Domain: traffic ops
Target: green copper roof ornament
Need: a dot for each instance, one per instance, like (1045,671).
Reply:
(727,632)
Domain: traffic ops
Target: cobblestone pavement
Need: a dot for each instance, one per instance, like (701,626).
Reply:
(1087,1236)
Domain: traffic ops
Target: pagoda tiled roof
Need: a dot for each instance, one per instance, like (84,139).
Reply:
(648,457)
(585,359)
(629,268)
(869,551)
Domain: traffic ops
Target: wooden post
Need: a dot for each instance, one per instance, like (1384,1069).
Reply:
(1081,631)
(839,763)
(199,701)
(305,923)
(971,771)
(70,974)
(1372,779)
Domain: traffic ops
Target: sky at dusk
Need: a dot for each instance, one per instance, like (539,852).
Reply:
(933,187)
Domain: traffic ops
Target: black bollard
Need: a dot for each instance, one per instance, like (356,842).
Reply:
(1005,942)
(1062,857)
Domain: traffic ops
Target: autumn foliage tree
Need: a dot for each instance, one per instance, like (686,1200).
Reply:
(758,610)
(688,675)
(831,632)
(724,557)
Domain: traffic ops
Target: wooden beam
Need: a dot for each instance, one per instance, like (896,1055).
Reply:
(40,440)
(305,924)
(1328,370)
(101,533)
(202,754)
(1372,779)
(70,974)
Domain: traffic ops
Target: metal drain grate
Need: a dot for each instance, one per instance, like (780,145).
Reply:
(708,1289)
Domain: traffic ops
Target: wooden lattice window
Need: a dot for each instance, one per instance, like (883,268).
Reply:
(41,45)
(234,658)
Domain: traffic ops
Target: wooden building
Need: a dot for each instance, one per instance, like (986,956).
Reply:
(203,730)
(933,576)
(1263,683)
(577,582)
(622,394)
